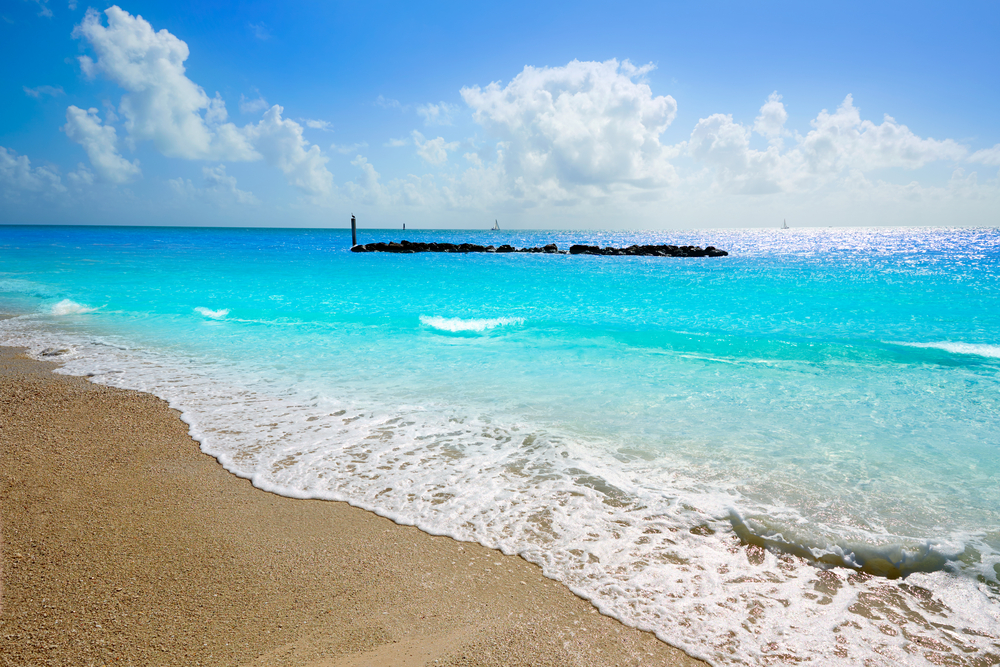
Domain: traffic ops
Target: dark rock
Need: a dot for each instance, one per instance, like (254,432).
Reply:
(635,250)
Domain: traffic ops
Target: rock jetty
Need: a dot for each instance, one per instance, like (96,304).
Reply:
(550,249)
(650,251)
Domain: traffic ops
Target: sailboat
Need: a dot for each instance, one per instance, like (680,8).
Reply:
(784,224)
(496,226)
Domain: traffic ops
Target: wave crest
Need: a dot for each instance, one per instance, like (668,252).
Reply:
(213,314)
(69,307)
(981,350)
(456,324)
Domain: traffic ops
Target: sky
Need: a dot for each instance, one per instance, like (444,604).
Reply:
(589,115)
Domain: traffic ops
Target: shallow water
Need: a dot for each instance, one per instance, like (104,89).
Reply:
(742,454)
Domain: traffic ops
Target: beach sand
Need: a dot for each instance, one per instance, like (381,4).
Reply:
(124,544)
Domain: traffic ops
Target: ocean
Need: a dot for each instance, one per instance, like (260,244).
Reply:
(790,454)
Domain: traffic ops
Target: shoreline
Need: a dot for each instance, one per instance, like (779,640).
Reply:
(122,541)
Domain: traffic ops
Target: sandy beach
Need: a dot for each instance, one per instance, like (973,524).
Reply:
(124,544)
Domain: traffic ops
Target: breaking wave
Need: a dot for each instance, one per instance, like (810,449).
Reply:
(212,314)
(992,351)
(456,324)
(68,307)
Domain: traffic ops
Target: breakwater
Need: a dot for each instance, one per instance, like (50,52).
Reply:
(550,249)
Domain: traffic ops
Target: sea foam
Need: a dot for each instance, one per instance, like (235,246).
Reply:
(212,314)
(457,324)
(681,444)
(68,307)
(979,350)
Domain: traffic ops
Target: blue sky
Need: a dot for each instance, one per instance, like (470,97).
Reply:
(543,115)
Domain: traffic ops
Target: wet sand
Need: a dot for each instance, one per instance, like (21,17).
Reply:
(123,544)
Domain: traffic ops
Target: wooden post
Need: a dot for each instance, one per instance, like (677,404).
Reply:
(354,231)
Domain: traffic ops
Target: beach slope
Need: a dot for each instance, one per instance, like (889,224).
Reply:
(124,544)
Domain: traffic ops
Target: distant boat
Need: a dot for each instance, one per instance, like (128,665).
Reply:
(496,226)
(784,224)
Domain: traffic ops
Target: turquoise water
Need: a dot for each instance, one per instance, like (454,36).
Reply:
(629,423)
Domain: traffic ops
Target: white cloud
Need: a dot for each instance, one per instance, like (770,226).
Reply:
(771,121)
(437,114)
(260,31)
(249,106)
(220,188)
(387,103)
(72,5)
(324,125)
(110,115)
(17,175)
(719,142)
(369,190)
(346,150)
(434,151)
(842,140)
(840,146)
(581,130)
(281,143)
(217,180)
(50,91)
(162,105)
(396,143)
(988,156)
(82,177)
(44,8)
(101,143)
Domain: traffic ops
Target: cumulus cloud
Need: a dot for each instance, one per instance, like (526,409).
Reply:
(162,104)
(249,106)
(324,125)
(842,140)
(220,188)
(434,151)
(217,180)
(436,114)
(584,129)
(44,91)
(81,177)
(839,145)
(369,188)
(771,121)
(110,115)
(346,150)
(17,175)
(281,143)
(725,145)
(988,156)
(101,144)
